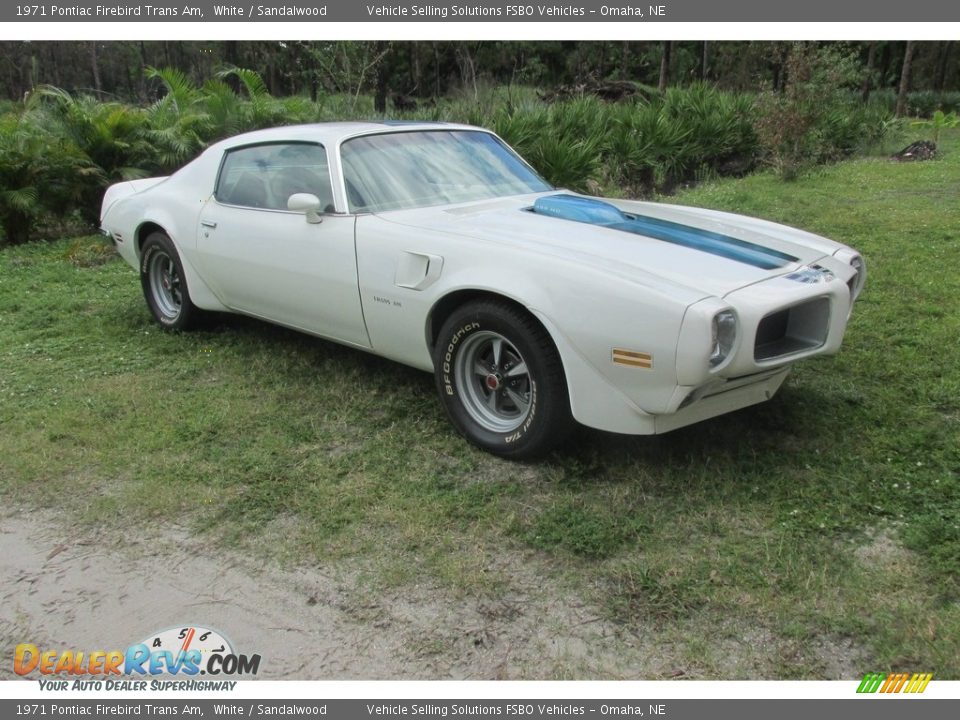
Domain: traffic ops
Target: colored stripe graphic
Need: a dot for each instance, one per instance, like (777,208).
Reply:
(894,683)
(870,683)
(918,683)
(597,212)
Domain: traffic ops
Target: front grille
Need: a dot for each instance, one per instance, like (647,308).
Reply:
(795,329)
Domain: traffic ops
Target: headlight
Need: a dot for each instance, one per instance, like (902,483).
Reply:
(724,335)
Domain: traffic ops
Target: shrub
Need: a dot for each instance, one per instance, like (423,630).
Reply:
(813,119)
(112,136)
(41,175)
(59,151)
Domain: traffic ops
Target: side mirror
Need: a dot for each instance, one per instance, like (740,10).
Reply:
(306,203)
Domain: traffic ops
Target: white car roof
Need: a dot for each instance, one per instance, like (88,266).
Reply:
(331,133)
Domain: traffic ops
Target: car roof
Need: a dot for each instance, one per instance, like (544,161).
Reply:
(331,133)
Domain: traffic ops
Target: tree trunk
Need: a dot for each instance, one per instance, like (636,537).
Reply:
(143,72)
(95,66)
(625,60)
(905,79)
(54,65)
(468,68)
(867,85)
(704,60)
(942,63)
(601,72)
(231,54)
(886,56)
(665,66)
(380,53)
(415,72)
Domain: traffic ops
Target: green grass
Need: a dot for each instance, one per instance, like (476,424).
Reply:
(829,516)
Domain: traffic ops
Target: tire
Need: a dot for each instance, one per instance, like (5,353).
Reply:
(165,285)
(501,381)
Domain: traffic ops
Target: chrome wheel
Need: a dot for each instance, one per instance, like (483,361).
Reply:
(165,284)
(493,382)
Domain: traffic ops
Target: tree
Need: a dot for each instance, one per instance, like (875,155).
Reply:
(381,49)
(943,60)
(95,66)
(905,79)
(665,66)
(868,73)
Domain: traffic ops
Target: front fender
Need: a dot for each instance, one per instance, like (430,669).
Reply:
(599,326)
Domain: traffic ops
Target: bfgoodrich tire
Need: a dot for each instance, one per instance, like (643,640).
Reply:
(501,380)
(165,285)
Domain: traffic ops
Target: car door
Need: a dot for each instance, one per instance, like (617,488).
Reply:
(265,260)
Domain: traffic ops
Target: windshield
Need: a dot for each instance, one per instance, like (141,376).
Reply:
(404,170)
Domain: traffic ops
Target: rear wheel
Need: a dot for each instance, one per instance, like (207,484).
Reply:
(165,285)
(501,380)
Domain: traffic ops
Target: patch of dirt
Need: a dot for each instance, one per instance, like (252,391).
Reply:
(883,549)
(77,590)
(841,658)
(80,591)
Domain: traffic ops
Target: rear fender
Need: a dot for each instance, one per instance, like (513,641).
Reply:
(200,293)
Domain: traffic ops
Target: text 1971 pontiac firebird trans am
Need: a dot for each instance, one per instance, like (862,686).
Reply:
(435,245)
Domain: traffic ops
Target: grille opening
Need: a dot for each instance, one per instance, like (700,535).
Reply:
(785,332)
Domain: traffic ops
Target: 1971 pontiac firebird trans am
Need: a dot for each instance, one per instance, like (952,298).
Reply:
(435,245)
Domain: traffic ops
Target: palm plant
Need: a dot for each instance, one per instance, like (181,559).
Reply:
(179,122)
(938,122)
(41,175)
(111,135)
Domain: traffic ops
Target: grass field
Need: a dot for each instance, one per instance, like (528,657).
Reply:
(829,516)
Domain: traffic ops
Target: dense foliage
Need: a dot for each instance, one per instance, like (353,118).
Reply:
(59,150)
(425,69)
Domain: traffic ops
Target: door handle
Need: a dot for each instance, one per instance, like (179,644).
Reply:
(207,223)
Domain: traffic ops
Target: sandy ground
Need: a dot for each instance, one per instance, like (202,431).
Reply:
(68,591)
(61,590)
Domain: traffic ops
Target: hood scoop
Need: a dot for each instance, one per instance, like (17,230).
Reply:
(603,214)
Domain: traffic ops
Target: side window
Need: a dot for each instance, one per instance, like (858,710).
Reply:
(265,176)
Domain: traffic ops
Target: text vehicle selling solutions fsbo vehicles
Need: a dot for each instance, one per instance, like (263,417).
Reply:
(437,246)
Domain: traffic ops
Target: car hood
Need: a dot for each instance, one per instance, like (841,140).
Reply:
(512,222)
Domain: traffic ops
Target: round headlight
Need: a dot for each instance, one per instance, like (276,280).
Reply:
(724,335)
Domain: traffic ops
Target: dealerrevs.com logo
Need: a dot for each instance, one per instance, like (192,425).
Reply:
(188,652)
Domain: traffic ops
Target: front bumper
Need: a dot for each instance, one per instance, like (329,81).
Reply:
(721,397)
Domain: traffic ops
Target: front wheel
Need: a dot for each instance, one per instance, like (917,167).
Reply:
(501,380)
(164,283)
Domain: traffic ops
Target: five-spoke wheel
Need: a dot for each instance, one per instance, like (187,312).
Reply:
(501,379)
(164,284)
(494,381)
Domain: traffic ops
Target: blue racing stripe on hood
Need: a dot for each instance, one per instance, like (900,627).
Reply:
(597,212)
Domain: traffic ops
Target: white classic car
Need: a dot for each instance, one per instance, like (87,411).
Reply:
(435,245)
